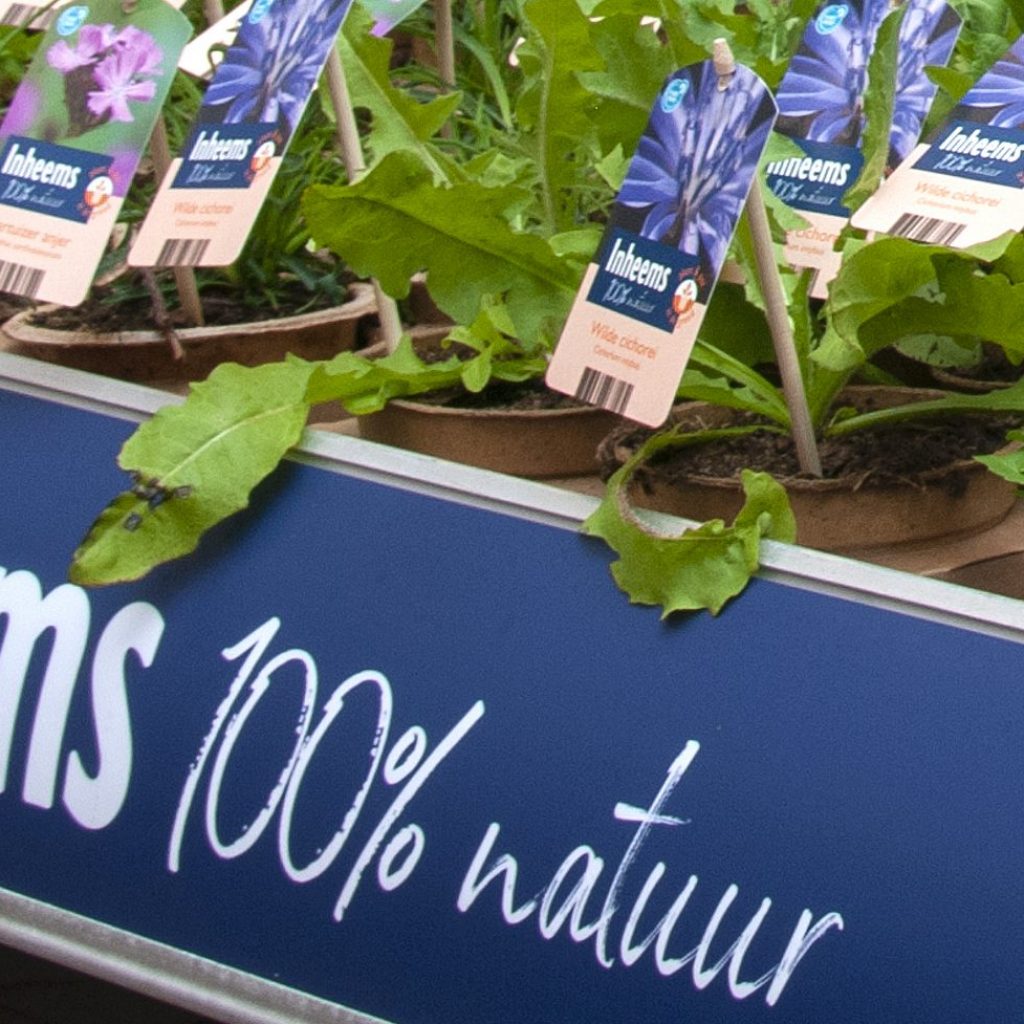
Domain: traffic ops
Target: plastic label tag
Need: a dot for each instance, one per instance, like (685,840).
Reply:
(821,109)
(31,14)
(966,184)
(636,317)
(73,137)
(201,57)
(211,195)
(388,13)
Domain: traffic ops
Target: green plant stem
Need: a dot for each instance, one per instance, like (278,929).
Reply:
(1006,400)
(355,165)
(550,216)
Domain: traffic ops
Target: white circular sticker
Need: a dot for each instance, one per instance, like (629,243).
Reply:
(831,18)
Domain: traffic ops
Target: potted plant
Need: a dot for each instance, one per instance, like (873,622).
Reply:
(282,295)
(255,415)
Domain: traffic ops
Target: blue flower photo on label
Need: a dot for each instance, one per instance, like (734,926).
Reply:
(998,97)
(689,179)
(821,96)
(268,73)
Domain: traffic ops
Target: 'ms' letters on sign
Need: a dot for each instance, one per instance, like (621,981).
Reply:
(93,801)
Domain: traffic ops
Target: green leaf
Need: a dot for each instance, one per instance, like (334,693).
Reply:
(1008,465)
(1000,400)
(755,393)
(396,221)
(399,121)
(196,464)
(635,68)
(555,109)
(879,99)
(702,567)
(879,297)
(365,386)
(940,351)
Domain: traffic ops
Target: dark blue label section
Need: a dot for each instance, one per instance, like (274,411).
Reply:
(227,155)
(964,149)
(817,181)
(645,280)
(57,180)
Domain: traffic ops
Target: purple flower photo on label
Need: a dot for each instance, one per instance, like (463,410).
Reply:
(821,96)
(689,179)
(106,71)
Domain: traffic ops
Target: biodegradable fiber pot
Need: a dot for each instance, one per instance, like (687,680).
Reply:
(842,515)
(146,357)
(536,443)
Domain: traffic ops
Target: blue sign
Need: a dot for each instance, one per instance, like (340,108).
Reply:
(981,152)
(60,181)
(220,155)
(424,761)
(818,180)
(646,280)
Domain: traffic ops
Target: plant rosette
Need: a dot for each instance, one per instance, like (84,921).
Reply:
(144,356)
(911,483)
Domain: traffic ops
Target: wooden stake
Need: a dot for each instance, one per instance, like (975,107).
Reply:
(352,157)
(775,301)
(444,41)
(782,334)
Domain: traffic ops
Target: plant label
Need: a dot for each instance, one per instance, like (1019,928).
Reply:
(73,136)
(636,317)
(211,195)
(31,14)
(821,108)
(201,57)
(966,184)
(388,13)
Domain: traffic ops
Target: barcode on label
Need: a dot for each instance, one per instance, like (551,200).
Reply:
(926,229)
(20,280)
(27,16)
(596,388)
(182,252)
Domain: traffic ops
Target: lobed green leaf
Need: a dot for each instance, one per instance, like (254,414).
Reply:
(395,222)
(702,567)
(195,464)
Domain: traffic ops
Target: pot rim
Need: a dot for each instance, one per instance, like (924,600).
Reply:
(849,483)
(430,409)
(360,302)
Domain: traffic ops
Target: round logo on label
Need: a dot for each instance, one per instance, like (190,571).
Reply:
(674,94)
(259,10)
(831,18)
(685,297)
(71,19)
(261,158)
(98,191)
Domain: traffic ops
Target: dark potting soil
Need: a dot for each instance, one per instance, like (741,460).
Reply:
(993,366)
(869,457)
(527,394)
(110,311)
(507,395)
